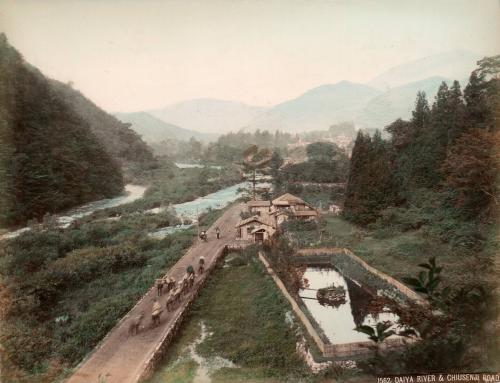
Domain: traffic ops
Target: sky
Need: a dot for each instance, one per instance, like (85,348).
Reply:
(138,55)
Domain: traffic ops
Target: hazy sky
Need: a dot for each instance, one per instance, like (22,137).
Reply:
(134,55)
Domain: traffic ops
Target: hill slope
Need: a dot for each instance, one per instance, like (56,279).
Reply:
(453,65)
(396,103)
(208,115)
(153,130)
(49,158)
(316,109)
(120,141)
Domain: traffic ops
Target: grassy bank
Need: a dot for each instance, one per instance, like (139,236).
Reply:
(65,290)
(245,316)
(397,254)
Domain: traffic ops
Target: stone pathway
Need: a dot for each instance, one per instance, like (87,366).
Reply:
(123,359)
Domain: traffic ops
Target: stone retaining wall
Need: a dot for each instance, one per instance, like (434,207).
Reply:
(156,357)
(295,307)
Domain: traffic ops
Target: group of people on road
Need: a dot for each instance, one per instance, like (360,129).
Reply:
(174,289)
(204,235)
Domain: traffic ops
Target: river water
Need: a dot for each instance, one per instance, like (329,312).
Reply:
(187,210)
(338,323)
(192,209)
(190,166)
(132,193)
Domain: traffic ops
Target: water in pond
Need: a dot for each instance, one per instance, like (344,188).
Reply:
(338,323)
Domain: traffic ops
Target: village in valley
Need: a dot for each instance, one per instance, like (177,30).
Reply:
(337,223)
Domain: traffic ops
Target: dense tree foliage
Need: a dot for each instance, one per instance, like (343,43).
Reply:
(229,147)
(119,140)
(326,163)
(368,189)
(344,128)
(447,149)
(49,160)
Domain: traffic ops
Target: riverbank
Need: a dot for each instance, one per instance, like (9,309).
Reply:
(172,185)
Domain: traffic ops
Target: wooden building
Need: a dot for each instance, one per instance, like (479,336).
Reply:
(255,229)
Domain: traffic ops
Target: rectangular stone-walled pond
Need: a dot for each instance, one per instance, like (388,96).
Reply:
(332,327)
(337,321)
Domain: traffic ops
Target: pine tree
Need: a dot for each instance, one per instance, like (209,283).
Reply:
(456,113)
(478,114)
(421,114)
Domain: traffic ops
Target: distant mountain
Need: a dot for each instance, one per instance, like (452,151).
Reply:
(120,141)
(153,130)
(50,160)
(316,109)
(396,103)
(208,115)
(454,65)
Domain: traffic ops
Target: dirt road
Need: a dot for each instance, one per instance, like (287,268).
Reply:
(120,358)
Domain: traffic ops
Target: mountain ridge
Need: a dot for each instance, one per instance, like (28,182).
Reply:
(154,130)
(317,108)
(207,115)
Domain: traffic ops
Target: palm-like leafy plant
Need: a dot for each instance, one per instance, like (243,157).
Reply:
(428,280)
(254,159)
(378,333)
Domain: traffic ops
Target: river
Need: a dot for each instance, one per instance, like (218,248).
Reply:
(192,209)
(181,165)
(132,193)
(186,210)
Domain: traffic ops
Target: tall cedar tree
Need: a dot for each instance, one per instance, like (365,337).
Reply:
(369,183)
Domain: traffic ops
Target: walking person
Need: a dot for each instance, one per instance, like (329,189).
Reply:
(201,265)
(159,286)
(217,232)
(155,312)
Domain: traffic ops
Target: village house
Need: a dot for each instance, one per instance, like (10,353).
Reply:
(255,229)
(279,216)
(259,207)
(267,216)
(294,207)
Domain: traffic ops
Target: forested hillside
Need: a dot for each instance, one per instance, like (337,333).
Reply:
(443,161)
(119,140)
(49,158)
